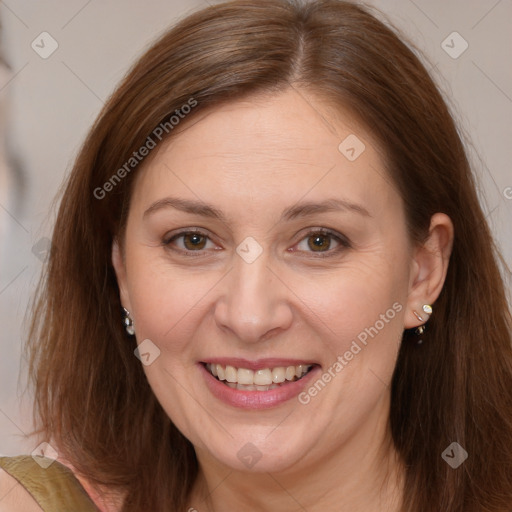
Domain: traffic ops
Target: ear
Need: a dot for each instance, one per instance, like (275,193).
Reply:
(429,268)
(120,270)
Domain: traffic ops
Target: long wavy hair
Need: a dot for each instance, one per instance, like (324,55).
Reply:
(91,395)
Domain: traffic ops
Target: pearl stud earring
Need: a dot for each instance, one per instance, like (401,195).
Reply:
(427,309)
(128,322)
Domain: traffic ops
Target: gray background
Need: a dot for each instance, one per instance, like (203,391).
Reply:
(49,104)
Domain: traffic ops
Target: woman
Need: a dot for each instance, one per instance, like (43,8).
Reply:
(271,284)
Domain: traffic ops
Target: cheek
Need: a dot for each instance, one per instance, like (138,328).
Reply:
(165,302)
(359,309)
(359,319)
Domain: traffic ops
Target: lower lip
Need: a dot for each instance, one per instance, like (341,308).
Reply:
(256,399)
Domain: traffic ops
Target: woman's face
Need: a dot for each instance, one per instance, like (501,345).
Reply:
(298,260)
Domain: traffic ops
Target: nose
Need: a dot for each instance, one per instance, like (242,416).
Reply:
(254,305)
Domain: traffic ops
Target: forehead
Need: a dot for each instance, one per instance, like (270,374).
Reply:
(267,150)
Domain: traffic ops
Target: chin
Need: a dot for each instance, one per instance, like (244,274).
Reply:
(263,457)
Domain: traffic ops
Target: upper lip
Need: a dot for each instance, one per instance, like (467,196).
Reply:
(259,364)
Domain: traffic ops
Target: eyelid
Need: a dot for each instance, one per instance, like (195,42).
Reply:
(343,241)
(185,231)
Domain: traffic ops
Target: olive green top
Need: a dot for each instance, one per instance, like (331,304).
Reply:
(51,484)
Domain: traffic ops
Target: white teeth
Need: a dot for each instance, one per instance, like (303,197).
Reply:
(263,377)
(279,374)
(290,372)
(245,376)
(231,374)
(259,380)
(245,387)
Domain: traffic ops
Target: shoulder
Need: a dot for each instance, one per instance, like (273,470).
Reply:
(105,499)
(14,497)
(28,484)
(35,483)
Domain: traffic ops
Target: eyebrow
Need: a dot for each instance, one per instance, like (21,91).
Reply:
(303,209)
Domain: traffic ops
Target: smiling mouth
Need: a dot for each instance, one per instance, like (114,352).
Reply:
(265,379)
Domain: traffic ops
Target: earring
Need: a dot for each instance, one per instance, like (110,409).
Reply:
(128,322)
(427,308)
(418,316)
(420,330)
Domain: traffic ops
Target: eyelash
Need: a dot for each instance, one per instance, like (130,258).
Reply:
(343,242)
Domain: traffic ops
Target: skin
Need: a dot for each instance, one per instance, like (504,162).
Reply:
(252,159)
(14,497)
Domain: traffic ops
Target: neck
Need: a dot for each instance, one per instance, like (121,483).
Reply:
(363,473)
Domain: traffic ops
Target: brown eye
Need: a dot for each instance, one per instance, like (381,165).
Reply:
(319,242)
(193,241)
(323,242)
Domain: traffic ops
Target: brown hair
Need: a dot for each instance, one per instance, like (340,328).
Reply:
(91,393)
